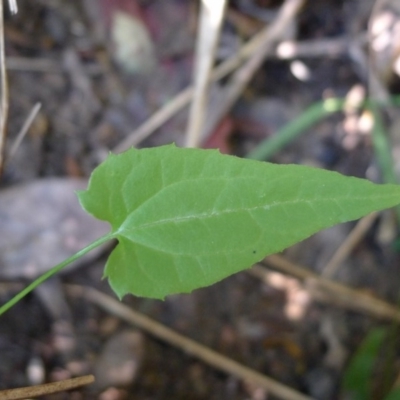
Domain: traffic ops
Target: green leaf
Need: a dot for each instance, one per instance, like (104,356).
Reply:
(394,394)
(186,218)
(357,380)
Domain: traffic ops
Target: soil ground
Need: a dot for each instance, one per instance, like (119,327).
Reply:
(61,54)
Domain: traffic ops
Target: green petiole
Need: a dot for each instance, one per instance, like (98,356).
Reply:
(53,271)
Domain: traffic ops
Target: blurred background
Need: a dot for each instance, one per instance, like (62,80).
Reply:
(316,86)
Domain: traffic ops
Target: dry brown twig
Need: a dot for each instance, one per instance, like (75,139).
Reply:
(187,345)
(45,389)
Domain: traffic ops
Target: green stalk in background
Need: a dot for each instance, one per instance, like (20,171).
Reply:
(312,115)
(295,128)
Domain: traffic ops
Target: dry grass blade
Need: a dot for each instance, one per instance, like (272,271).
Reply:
(210,21)
(4,92)
(45,389)
(187,345)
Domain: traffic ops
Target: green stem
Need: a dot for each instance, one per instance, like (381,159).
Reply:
(383,151)
(53,271)
(382,147)
(289,132)
(313,114)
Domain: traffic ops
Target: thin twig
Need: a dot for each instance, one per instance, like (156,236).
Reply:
(351,241)
(45,389)
(210,21)
(24,130)
(4,92)
(348,298)
(187,345)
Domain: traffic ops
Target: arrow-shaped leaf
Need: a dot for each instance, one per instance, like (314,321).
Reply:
(186,218)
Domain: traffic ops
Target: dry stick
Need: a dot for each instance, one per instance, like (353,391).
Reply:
(189,346)
(4,92)
(243,76)
(344,250)
(348,298)
(24,130)
(210,21)
(45,389)
(184,97)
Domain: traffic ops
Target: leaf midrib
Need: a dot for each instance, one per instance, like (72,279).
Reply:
(179,219)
